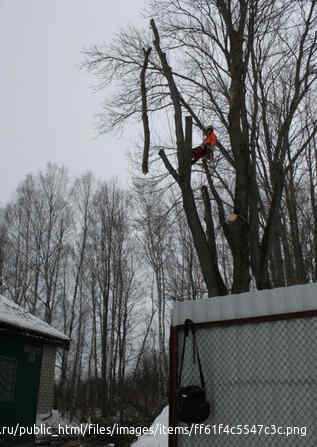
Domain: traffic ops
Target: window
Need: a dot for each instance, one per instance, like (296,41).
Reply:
(8,368)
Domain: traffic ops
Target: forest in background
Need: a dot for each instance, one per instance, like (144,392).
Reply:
(101,264)
(104,264)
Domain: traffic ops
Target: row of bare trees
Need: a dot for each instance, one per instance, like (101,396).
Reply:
(104,265)
(71,253)
(101,264)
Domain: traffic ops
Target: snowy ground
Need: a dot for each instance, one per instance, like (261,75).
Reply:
(153,439)
(158,440)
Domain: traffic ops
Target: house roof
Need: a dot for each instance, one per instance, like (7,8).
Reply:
(14,318)
(257,303)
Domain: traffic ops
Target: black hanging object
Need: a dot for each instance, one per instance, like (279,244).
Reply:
(192,406)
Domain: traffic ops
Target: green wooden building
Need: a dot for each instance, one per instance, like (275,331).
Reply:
(27,366)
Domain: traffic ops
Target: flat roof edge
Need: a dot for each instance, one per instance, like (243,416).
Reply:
(257,303)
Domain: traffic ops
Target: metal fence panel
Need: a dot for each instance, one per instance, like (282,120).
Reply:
(257,375)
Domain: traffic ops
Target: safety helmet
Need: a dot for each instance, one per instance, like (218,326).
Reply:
(209,129)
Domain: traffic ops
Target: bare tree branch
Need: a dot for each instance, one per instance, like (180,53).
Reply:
(168,166)
(145,119)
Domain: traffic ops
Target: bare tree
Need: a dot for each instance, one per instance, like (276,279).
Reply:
(38,225)
(312,218)
(3,249)
(113,268)
(254,63)
(82,195)
(155,238)
(184,278)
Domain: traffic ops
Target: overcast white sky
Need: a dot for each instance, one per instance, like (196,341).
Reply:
(47,106)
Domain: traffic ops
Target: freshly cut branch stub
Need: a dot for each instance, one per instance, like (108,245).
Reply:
(232,218)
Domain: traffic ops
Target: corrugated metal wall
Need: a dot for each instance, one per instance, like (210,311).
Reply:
(262,374)
(259,357)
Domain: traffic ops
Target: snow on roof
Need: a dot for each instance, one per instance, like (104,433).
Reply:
(258,303)
(12,314)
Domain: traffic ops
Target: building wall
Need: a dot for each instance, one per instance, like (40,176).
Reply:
(46,391)
(20,370)
(256,372)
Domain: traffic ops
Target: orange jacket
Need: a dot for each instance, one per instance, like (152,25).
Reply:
(211,139)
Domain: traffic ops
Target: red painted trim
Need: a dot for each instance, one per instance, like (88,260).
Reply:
(173,354)
(247,320)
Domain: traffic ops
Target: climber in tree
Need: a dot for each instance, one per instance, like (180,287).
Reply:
(207,146)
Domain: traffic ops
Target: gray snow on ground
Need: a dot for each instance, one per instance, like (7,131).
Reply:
(158,440)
